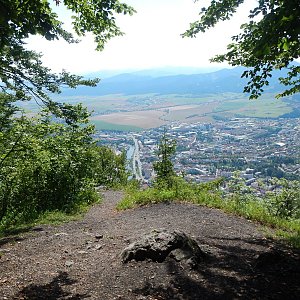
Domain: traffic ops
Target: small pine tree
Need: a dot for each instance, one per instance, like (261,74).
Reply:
(164,168)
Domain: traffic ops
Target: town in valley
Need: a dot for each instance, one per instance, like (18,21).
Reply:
(256,148)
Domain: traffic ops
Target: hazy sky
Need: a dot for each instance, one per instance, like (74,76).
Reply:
(152,39)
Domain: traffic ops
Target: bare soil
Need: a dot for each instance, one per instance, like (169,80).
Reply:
(81,260)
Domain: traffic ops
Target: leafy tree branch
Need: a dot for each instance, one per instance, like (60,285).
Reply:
(22,73)
(269,41)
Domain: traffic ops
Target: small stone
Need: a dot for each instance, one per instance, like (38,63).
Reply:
(60,234)
(69,263)
(37,228)
(98,236)
(5,250)
(82,252)
(98,247)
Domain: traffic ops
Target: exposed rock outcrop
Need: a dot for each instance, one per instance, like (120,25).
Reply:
(160,244)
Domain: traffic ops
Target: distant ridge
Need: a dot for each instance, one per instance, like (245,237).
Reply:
(155,72)
(221,81)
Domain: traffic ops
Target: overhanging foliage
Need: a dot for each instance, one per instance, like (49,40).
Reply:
(270,40)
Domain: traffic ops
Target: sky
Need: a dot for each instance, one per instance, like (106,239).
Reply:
(152,40)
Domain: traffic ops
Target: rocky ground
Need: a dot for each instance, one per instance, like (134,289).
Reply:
(82,259)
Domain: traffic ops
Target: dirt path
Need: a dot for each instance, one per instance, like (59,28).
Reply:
(81,260)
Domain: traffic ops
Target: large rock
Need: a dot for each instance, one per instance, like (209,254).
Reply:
(161,243)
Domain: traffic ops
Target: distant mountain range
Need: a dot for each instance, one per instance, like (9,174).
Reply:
(155,72)
(146,82)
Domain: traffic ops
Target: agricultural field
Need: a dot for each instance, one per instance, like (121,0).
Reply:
(190,113)
(265,107)
(138,112)
(101,125)
(141,119)
(149,111)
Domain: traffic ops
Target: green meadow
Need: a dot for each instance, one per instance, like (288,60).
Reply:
(101,125)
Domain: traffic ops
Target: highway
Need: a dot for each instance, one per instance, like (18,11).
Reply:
(136,162)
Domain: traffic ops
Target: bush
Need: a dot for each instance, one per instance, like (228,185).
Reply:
(48,166)
(284,200)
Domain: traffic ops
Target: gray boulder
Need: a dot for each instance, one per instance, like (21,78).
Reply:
(160,244)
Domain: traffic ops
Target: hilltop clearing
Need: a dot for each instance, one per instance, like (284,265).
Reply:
(81,260)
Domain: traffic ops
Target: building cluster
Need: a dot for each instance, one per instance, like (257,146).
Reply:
(257,148)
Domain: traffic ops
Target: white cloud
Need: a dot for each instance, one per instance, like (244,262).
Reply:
(152,39)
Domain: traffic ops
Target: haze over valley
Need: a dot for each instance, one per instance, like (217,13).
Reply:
(147,99)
